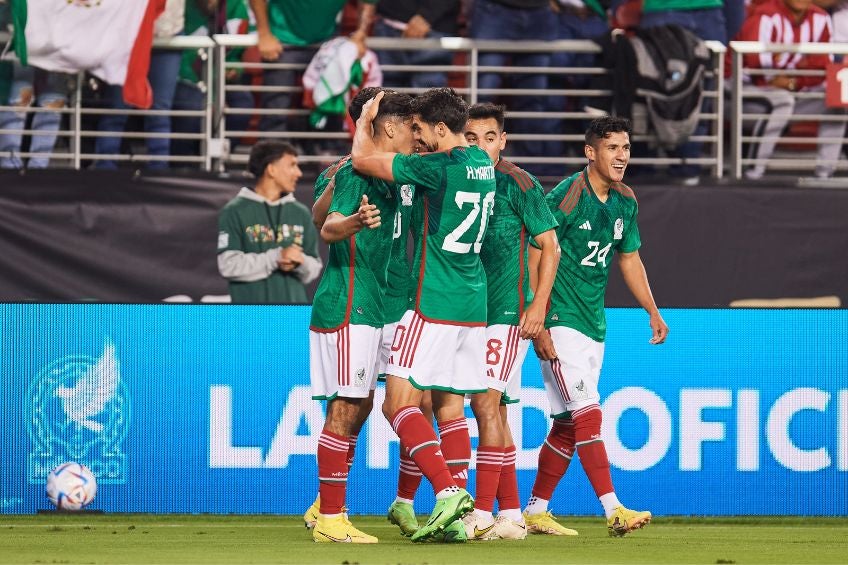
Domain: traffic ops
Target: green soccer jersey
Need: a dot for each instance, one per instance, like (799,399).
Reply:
(303,22)
(353,287)
(520,211)
(249,224)
(323,180)
(397,291)
(457,189)
(589,233)
(679,5)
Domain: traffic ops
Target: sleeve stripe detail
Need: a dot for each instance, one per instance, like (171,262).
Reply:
(521,177)
(573,196)
(624,190)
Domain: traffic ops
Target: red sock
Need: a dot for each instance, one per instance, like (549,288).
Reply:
(351,448)
(554,458)
(417,436)
(590,448)
(409,477)
(489,463)
(332,471)
(456,446)
(508,484)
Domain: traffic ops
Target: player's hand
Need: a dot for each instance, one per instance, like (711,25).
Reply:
(659,329)
(544,346)
(270,47)
(369,214)
(369,110)
(532,322)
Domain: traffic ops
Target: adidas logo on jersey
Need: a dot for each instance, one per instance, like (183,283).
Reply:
(586,225)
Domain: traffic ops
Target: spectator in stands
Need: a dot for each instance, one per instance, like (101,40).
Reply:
(267,244)
(163,73)
(31,86)
(22,87)
(416,19)
(286,28)
(208,17)
(517,20)
(576,19)
(706,19)
(788,22)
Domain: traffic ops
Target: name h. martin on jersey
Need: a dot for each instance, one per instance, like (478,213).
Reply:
(486,172)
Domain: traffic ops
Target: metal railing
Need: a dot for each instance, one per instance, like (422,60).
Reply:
(739,117)
(219,148)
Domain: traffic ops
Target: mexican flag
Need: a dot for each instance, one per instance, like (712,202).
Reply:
(110,39)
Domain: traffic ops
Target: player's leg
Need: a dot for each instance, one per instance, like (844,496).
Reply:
(310,517)
(334,358)
(509,523)
(402,512)
(424,356)
(577,371)
(554,457)
(485,405)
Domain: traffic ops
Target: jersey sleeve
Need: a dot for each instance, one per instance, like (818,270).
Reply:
(348,191)
(532,208)
(630,240)
(425,171)
(229,231)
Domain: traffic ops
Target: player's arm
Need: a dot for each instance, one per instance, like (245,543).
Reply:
(633,271)
(339,227)
(364,155)
(322,205)
(542,343)
(543,269)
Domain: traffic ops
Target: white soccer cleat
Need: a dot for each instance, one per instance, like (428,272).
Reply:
(479,528)
(509,529)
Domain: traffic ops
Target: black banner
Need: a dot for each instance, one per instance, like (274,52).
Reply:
(113,237)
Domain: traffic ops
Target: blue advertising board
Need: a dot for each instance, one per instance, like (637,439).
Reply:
(207,408)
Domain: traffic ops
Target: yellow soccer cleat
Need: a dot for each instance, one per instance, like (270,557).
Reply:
(311,514)
(338,530)
(624,521)
(544,523)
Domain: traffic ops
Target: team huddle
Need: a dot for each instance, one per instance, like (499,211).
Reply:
(496,263)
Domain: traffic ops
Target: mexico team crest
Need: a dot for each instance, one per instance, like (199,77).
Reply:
(78,409)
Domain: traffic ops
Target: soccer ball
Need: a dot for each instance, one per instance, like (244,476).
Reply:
(71,486)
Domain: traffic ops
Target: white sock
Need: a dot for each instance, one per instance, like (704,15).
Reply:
(404,500)
(610,503)
(447,493)
(536,505)
(484,514)
(513,514)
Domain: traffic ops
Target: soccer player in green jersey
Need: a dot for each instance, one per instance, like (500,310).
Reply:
(514,316)
(267,246)
(440,341)
(348,314)
(597,217)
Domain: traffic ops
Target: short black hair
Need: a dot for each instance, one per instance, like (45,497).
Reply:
(394,104)
(601,128)
(265,152)
(442,105)
(487,110)
(354,109)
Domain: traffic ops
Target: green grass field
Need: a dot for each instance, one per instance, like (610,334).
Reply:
(155,539)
